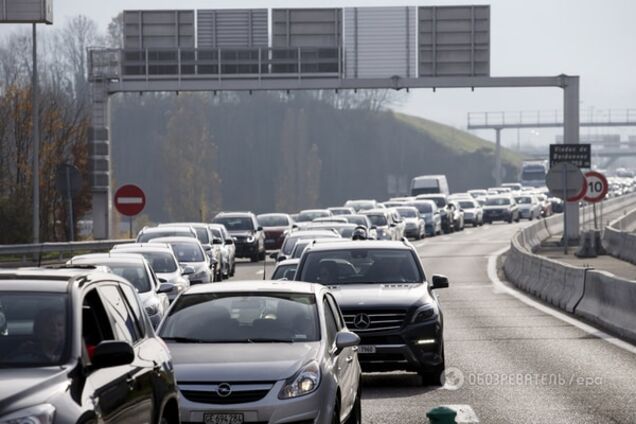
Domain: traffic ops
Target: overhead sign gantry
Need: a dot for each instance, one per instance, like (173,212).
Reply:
(308,49)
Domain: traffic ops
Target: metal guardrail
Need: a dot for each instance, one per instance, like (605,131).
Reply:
(221,63)
(27,252)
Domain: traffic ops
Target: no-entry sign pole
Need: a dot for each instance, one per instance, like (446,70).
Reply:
(130,200)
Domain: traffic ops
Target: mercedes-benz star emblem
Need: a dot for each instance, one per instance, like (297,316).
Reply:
(362,321)
(224,390)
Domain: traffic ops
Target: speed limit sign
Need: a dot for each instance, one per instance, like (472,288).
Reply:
(597,186)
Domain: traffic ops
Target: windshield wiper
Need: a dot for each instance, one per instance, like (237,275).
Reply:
(269,340)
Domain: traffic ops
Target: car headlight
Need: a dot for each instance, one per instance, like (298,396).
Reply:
(424,313)
(250,239)
(40,414)
(304,382)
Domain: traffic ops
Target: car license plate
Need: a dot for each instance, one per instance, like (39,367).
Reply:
(223,418)
(366,349)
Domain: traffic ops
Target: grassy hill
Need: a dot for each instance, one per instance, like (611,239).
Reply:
(194,155)
(457,140)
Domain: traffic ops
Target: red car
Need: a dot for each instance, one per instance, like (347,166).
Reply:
(276,226)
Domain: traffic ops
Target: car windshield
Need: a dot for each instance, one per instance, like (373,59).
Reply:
(497,201)
(360,204)
(523,200)
(340,211)
(361,266)
(533,175)
(34,329)
(300,248)
(187,252)
(378,220)
(236,223)
(243,317)
(466,205)
(358,220)
(202,235)
(423,208)
(161,262)
(309,216)
(284,272)
(407,213)
(146,237)
(439,201)
(217,233)
(135,273)
(272,220)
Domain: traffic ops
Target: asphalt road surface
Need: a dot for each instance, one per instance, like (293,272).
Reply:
(508,359)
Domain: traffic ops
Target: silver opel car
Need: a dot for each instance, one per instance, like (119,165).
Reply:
(263,352)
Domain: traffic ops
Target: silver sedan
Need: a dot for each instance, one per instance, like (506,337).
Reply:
(263,351)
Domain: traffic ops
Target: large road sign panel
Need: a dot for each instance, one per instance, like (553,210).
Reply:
(130,200)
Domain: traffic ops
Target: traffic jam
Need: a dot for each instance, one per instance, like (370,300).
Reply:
(158,330)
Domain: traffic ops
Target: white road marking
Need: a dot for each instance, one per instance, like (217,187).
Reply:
(500,287)
(260,272)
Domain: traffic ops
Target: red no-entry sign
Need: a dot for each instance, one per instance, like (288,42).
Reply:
(130,200)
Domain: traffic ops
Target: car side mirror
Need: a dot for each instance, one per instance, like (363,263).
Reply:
(188,270)
(393,225)
(207,247)
(374,227)
(259,229)
(280,258)
(165,287)
(345,339)
(440,282)
(273,255)
(112,353)
(229,241)
(217,241)
(295,227)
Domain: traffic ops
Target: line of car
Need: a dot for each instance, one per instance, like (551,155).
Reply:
(137,335)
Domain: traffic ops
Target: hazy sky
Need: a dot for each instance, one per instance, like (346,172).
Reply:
(591,38)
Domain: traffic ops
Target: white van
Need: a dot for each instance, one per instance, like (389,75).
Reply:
(429,184)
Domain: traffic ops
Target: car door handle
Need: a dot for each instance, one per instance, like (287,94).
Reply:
(355,348)
(349,358)
(131,383)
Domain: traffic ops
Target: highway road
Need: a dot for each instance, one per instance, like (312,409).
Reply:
(509,359)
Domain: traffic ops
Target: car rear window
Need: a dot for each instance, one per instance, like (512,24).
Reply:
(147,236)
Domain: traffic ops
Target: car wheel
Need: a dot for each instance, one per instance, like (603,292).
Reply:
(356,412)
(233,269)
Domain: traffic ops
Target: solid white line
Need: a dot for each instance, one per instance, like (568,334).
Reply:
(260,272)
(500,287)
(129,200)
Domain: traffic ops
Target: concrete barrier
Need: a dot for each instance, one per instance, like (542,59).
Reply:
(618,242)
(609,302)
(597,296)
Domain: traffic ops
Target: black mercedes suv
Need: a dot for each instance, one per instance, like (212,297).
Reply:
(386,299)
(77,347)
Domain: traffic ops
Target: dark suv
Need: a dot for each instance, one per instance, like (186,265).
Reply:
(247,233)
(386,299)
(76,347)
